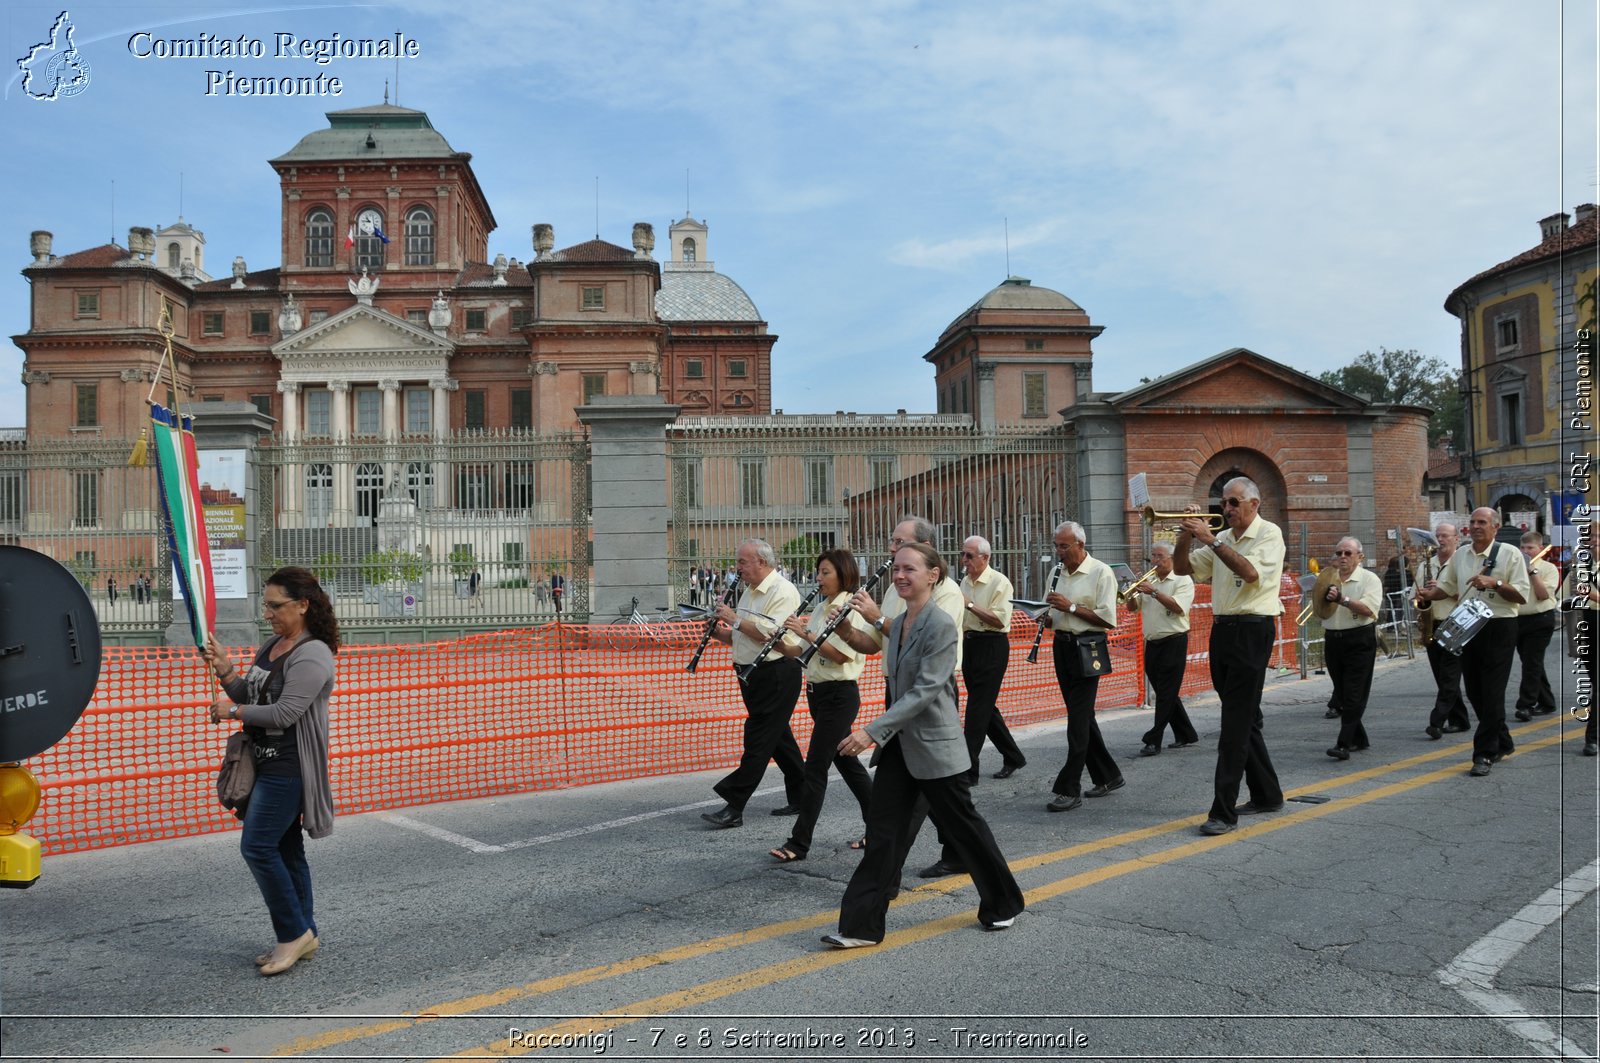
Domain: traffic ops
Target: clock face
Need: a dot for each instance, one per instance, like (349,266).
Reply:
(368,222)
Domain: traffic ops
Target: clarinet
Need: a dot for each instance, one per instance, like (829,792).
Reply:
(1038,636)
(711,626)
(743,671)
(828,628)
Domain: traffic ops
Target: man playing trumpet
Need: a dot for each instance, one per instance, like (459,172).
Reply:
(1164,599)
(1350,636)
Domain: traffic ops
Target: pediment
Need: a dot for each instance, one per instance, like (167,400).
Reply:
(360,343)
(1236,379)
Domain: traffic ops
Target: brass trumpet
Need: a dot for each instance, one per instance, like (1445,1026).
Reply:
(1214,521)
(1125,595)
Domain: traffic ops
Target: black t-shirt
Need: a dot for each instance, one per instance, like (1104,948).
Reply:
(275,751)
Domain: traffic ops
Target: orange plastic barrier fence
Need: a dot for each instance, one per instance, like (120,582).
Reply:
(508,712)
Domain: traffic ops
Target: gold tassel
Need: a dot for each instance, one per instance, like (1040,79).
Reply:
(139,456)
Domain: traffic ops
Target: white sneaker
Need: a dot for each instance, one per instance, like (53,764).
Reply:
(1000,924)
(839,941)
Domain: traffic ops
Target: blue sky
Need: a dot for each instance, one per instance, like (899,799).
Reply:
(1308,181)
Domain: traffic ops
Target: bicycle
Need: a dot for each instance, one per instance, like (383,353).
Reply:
(632,630)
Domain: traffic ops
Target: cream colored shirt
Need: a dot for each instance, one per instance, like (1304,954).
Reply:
(1092,587)
(990,591)
(946,595)
(1569,586)
(1441,608)
(822,670)
(1510,567)
(1365,587)
(1158,623)
(1261,545)
(766,605)
(1550,576)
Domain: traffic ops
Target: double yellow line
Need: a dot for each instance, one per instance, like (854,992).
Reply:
(769,974)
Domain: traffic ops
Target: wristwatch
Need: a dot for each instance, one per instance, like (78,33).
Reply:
(233,712)
(1498,584)
(1073,608)
(880,625)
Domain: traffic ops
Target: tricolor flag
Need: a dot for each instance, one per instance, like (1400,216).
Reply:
(178,472)
(350,238)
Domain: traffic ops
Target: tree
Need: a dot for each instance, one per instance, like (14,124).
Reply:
(1406,378)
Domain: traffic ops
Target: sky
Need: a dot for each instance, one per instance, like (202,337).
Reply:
(1308,181)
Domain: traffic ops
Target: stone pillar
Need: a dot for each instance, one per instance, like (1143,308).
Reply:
(233,426)
(290,428)
(441,389)
(643,378)
(986,414)
(391,409)
(290,478)
(342,513)
(630,508)
(1101,487)
(1363,518)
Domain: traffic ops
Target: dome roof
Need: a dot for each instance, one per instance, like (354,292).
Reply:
(1018,293)
(384,131)
(702,295)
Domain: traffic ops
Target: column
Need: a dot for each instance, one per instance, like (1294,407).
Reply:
(293,475)
(342,514)
(643,378)
(985,405)
(389,428)
(440,389)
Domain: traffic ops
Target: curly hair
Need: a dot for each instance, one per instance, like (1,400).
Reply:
(299,583)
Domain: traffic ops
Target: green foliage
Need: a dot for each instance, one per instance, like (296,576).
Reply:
(462,561)
(1406,378)
(84,569)
(326,567)
(799,554)
(381,566)
(515,582)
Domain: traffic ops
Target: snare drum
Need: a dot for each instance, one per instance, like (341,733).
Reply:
(1462,625)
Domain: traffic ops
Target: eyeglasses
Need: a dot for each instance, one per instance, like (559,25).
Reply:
(967,553)
(275,606)
(897,543)
(1233,501)
(1344,553)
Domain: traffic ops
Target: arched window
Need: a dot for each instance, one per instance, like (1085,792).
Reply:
(174,255)
(319,237)
(369,487)
(688,249)
(419,237)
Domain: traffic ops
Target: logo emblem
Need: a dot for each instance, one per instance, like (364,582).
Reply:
(55,69)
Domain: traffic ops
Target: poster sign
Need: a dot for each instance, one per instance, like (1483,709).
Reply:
(222,485)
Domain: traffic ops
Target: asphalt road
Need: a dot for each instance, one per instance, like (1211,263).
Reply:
(1417,913)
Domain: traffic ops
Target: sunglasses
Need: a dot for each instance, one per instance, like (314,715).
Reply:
(1344,553)
(1233,501)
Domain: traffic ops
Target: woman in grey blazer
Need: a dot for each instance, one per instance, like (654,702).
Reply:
(921,750)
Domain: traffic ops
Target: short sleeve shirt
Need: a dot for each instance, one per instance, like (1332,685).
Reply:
(1261,545)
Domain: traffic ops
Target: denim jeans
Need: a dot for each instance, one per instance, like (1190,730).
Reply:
(274,848)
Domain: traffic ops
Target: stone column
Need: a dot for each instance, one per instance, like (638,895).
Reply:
(986,414)
(1101,484)
(644,378)
(628,478)
(233,426)
(291,477)
(342,513)
(389,429)
(440,390)
(290,428)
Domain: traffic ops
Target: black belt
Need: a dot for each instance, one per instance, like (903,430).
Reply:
(1339,633)
(814,687)
(984,634)
(1163,638)
(1244,618)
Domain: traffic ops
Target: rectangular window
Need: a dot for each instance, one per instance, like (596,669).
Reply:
(210,398)
(85,405)
(319,412)
(472,487)
(1505,333)
(474,404)
(417,317)
(1511,420)
(693,472)
(521,317)
(1033,345)
(882,471)
(522,484)
(86,500)
(1033,396)
(963,407)
(369,411)
(819,481)
(694,369)
(10,498)
(511,553)
(593,384)
(262,403)
(521,407)
(752,482)
(318,316)
(593,299)
(477,320)
(260,322)
(419,411)
(211,323)
(736,367)
(88,304)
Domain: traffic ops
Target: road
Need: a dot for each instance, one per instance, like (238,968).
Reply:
(1416,913)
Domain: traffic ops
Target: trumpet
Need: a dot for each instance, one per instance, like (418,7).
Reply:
(1125,595)
(1214,521)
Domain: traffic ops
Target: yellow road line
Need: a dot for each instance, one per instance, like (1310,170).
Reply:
(711,946)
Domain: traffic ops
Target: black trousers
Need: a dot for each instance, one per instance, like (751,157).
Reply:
(834,707)
(1534,632)
(1241,647)
(1085,747)
(1485,672)
(984,657)
(1448,705)
(1165,661)
(769,699)
(1350,656)
(895,792)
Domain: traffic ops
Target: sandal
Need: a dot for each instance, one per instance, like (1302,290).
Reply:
(861,844)
(786,855)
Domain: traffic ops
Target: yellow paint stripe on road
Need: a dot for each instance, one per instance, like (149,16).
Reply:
(712,946)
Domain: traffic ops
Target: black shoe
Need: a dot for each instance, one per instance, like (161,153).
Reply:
(1591,749)
(1183,745)
(1214,827)
(1523,715)
(1433,732)
(1455,728)
(1536,711)
(1359,749)
(1250,808)
(1007,771)
(1331,714)
(724,818)
(1150,750)
(787,810)
(1339,753)
(1064,802)
(940,869)
(1106,787)
(1480,766)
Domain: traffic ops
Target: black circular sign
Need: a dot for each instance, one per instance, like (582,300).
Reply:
(49,652)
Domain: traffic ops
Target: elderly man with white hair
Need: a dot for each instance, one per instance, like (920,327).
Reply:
(1351,642)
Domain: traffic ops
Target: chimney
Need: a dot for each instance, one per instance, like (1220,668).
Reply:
(1552,227)
(40,243)
(644,239)
(544,238)
(1582,213)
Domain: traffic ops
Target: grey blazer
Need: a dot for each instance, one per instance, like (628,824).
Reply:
(921,679)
